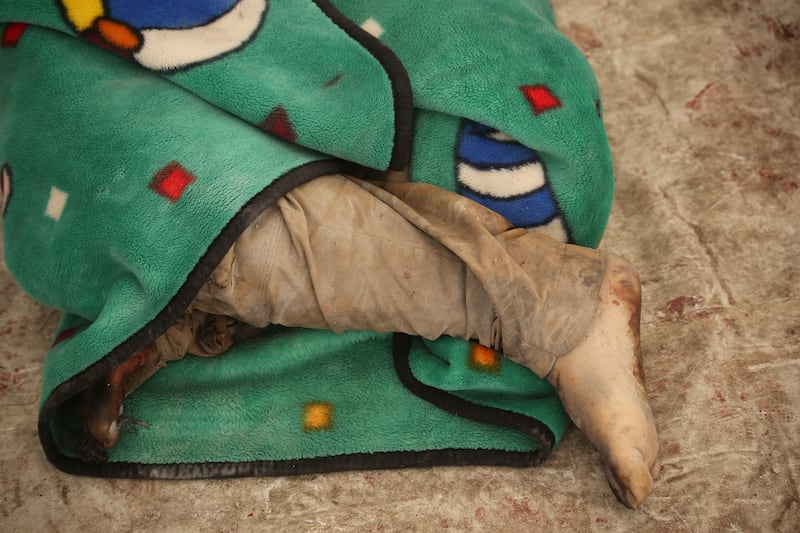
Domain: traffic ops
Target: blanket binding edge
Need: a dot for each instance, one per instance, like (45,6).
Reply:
(179,302)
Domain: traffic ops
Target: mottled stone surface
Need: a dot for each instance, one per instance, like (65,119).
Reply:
(701,102)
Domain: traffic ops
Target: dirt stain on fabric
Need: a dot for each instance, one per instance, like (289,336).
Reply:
(333,81)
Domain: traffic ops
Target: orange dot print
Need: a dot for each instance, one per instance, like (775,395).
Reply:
(118,34)
(484,359)
(317,416)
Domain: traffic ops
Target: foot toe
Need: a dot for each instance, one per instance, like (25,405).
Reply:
(630,477)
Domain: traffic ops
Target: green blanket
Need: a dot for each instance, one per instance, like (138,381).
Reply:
(138,140)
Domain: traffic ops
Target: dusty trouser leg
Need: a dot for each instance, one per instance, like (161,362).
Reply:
(100,406)
(599,378)
(343,254)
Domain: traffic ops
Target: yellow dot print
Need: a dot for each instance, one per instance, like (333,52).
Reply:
(317,416)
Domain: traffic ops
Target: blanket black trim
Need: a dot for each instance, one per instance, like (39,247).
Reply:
(360,461)
(176,307)
(398,78)
(392,66)
(457,406)
(314,465)
(356,461)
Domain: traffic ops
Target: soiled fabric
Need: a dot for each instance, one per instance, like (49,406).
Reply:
(344,254)
(129,169)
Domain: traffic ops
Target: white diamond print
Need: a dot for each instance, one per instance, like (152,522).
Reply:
(56,203)
(372,27)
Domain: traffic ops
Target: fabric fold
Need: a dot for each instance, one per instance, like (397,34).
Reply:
(133,164)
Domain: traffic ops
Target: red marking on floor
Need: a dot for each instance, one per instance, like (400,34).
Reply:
(694,103)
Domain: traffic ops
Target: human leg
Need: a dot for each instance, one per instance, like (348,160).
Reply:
(346,255)
(601,384)
(100,406)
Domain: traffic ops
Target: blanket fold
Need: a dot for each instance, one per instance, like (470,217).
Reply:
(138,143)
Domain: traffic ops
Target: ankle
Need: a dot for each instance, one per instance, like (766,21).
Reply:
(621,282)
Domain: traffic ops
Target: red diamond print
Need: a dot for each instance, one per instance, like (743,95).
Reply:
(277,123)
(66,334)
(540,97)
(171,181)
(12,34)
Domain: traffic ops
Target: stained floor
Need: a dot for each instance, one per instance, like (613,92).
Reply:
(702,102)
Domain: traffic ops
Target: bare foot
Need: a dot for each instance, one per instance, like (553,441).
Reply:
(601,385)
(100,406)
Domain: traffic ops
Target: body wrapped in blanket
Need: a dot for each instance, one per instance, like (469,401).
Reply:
(282,234)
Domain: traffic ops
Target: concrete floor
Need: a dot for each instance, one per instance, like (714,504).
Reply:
(702,103)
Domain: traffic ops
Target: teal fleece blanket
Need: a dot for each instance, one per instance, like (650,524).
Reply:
(139,138)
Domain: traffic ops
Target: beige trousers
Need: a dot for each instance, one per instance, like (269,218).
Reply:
(343,254)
